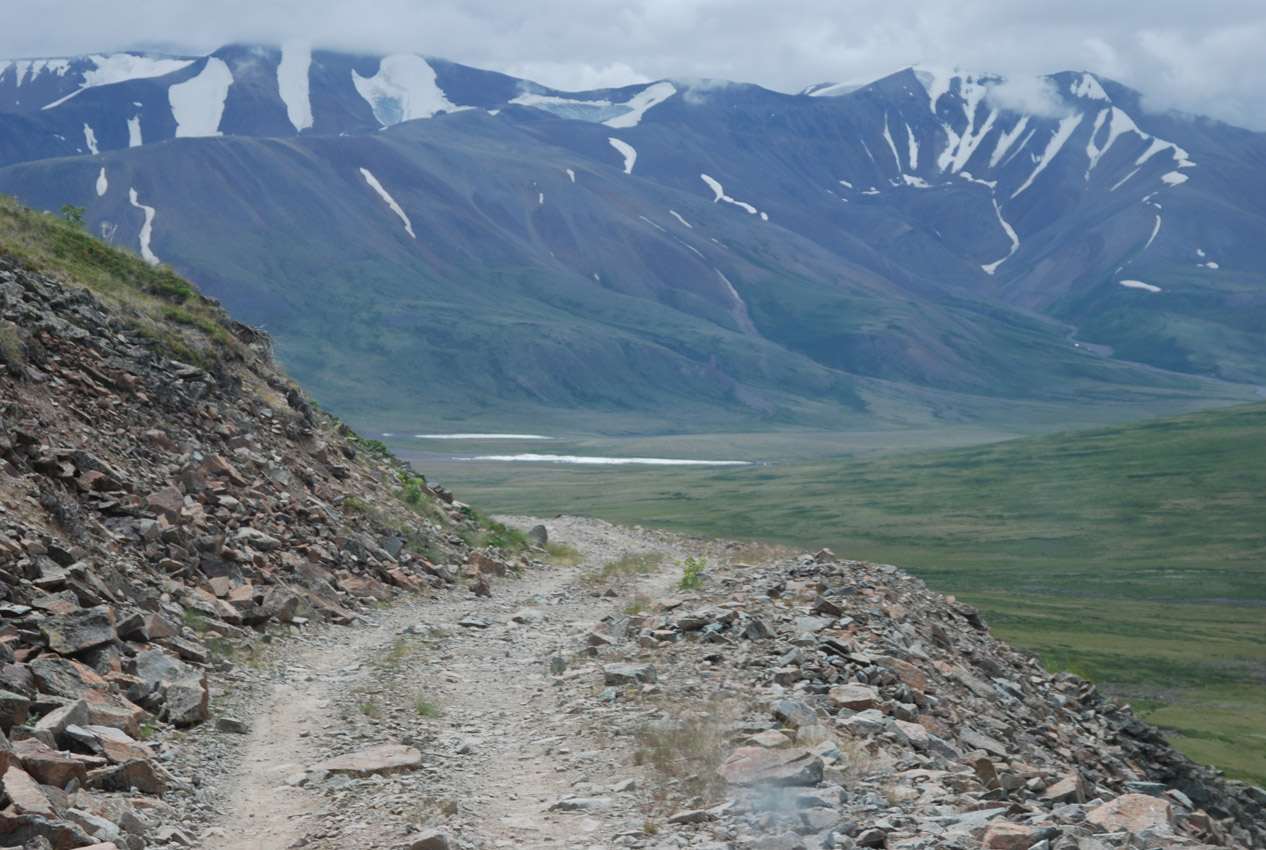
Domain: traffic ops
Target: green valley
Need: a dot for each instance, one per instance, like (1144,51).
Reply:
(1134,553)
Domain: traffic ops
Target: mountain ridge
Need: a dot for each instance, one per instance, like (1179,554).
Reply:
(896,233)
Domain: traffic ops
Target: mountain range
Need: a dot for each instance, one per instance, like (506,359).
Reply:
(429,242)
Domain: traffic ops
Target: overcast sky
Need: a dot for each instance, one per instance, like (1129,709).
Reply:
(1203,56)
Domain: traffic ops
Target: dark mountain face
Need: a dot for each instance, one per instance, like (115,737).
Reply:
(420,235)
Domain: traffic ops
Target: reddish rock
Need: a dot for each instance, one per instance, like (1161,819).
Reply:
(917,735)
(754,765)
(1070,789)
(906,672)
(64,677)
(221,468)
(169,502)
(430,839)
(486,565)
(363,587)
(24,793)
(769,739)
(1001,835)
(48,766)
(219,586)
(140,774)
(1133,813)
(114,744)
(241,597)
(854,697)
(388,758)
(403,580)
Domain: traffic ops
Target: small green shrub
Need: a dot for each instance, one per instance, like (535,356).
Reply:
(691,573)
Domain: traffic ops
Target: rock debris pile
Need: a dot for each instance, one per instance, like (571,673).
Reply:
(155,517)
(877,713)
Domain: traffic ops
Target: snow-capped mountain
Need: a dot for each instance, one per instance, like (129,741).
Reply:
(935,235)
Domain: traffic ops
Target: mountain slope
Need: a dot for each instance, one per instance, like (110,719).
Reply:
(909,250)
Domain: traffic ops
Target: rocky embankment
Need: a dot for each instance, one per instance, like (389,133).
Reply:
(157,517)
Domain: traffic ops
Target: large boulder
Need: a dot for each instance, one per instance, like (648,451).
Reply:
(387,758)
(760,766)
(1132,813)
(74,632)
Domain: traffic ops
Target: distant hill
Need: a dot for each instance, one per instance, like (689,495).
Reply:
(434,243)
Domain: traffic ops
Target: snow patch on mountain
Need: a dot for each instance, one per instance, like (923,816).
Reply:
(626,150)
(35,67)
(638,105)
(571,174)
(1089,87)
(912,145)
(404,89)
(739,309)
(1155,230)
(134,131)
(1066,128)
(90,138)
(198,103)
(892,146)
(990,268)
(1174,178)
(935,81)
(390,201)
(102,183)
(121,67)
(721,196)
(600,110)
(1118,123)
(147,229)
(292,84)
(1006,139)
(593,111)
(677,216)
(1123,180)
(1138,284)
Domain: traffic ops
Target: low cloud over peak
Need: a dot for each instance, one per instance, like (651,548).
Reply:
(1200,58)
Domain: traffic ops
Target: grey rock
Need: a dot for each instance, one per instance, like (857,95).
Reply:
(628,674)
(70,633)
(231,724)
(581,804)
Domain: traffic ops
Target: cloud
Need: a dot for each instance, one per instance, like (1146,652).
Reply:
(1033,95)
(1197,57)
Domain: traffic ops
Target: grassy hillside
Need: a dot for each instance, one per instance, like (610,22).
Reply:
(1136,553)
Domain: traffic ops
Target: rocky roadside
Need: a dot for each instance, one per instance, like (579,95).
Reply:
(158,520)
(801,702)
